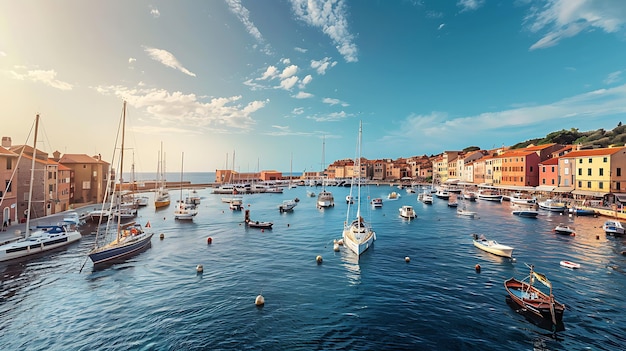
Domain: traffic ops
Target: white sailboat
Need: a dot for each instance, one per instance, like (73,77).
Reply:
(358,234)
(45,238)
(130,238)
(162,196)
(185,209)
(324,198)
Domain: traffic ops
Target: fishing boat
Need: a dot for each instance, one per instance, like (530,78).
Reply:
(492,246)
(613,227)
(530,299)
(44,238)
(442,194)
(407,212)
(185,209)
(287,205)
(570,264)
(564,229)
(552,205)
(358,234)
(463,211)
(131,238)
(522,199)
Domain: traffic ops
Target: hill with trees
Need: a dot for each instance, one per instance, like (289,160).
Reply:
(597,138)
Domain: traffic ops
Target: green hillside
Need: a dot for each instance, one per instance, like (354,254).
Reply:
(596,138)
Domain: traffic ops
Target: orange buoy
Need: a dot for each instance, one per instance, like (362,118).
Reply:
(209,240)
(477,267)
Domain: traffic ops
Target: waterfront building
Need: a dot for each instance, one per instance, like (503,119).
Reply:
(379,169)
(518,168)
(8,193)
(548,174)
(90,177)
(38,203)
(599,172)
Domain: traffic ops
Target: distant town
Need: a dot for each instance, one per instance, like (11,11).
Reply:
(62,182)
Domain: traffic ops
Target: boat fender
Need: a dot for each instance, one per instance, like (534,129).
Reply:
(125,233)
(133,231)
(477,267)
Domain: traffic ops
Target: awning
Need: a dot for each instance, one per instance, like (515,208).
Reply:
(544,188)
(620,197)
(452,181)
(563,189)
(589,193)
(516,187)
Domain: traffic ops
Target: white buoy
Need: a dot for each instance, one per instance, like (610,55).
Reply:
(318,259)
(199,268)
(407,259)
(336,247)
(260,300)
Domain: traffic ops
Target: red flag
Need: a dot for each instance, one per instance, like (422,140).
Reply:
(148,224)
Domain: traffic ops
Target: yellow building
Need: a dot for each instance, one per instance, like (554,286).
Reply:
(598,172)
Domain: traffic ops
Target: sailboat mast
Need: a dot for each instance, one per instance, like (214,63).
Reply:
(182,158)
(32,178)
(119,193)
(323,163)
(358,179)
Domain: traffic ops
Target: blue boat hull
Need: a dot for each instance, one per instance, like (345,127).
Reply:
(120,252)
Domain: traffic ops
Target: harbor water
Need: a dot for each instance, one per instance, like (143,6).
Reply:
(437,301)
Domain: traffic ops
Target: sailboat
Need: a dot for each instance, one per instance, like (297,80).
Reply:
(45,238)
(291,183)
(130,238)
(358,234)
(324,198)
(162,196)
(185,209)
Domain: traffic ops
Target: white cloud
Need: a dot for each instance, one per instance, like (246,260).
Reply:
(333,102)
(303,95)
(155,12)
(187,112)
(562,19)
(470,5)
(330,17)
(306,80)
(131,60)
(36,75)
(285,61)
(300,50)
(322,65)
(288,83)
(331,117)
(613,77)
(270,73)
(298,111)
(441,26)
(168,59)
(289,71)
(243,15)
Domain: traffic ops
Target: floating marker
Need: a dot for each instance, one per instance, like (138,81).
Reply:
(259,301)
(209,240)
(199,268)
(336,247)
(318,259)
(407,259)
(162,236)
(477,267)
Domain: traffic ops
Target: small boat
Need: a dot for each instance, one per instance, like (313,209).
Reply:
(552,205)
(410,190)
(525,212)
(349,199)
(393,196)
(465,212)
(407,211)
(570,264)
(579,211)
(256,224)
(442,194)
(377,202)
(99,215)
(542,307)
(468,195)
(310,193)
(236,205)
(564,229)
(425,197)
(287,205)
(325,199)
(194,198)
(492,246)
(184,210)
(489,195)
(613,227)
(523,199)
(453,201)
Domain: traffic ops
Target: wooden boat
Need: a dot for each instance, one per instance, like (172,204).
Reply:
(564,229)
(570,264)
(492,246)
(256,224)
(543,307)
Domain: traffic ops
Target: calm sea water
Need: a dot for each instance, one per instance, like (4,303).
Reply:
(157,301)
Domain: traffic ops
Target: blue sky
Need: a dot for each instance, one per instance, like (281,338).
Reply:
(270,79)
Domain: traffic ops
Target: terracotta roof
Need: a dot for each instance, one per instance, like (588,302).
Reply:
(6,152)
(550,161)
(595,152)
(540,147)
(79,158)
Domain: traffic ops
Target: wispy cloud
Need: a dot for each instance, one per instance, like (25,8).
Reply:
(306,80)
(47,77)
(155,12)
(322,65)
(303,95)
(131,60)
(286,131)
(243,15)
(298,111)
(330,17)
(470,5)
(168,59)
(288,83)
(441,26)
(187,112)
(562,19)
(437,125)
(301,50)
(613,77)
(332,102)
(331,117)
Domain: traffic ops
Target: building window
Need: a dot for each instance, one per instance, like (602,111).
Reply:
(605,159)
(566,161)
(619,172)
(601,171)
(580,171)
(531,169)
(601,185)
(9,163)
(7,185)
(543,181)
(566,182)
(580,184)
(589,185)
(588,171)
(617,186)
(552,169)
(590,159)
(544,169)
(566,171)
(552,181)
(580,160)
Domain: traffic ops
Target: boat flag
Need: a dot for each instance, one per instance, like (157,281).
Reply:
(148,224)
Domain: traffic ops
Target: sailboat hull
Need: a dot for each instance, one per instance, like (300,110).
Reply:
(116,251)
(358,241)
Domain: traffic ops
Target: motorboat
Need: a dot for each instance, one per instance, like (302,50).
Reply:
(564,229)
(580,211)
(552,205)
(542,307)
(287,205)
(325,199)
(442,194)
(489,195)
(523,199)
(468,195)
(425,197)
(393,196)
(184,210)
(256,224)
(453,201)
(525,212)
(570,264)
(407,211)
(236,205)
(613,227)
(377,202)
(492,246)
(462,211)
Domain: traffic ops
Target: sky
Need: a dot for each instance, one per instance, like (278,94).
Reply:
(282,84)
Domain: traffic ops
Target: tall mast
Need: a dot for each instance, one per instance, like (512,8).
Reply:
(119,193)
(182,157)
(358,169)
(323,163)
(32,178)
